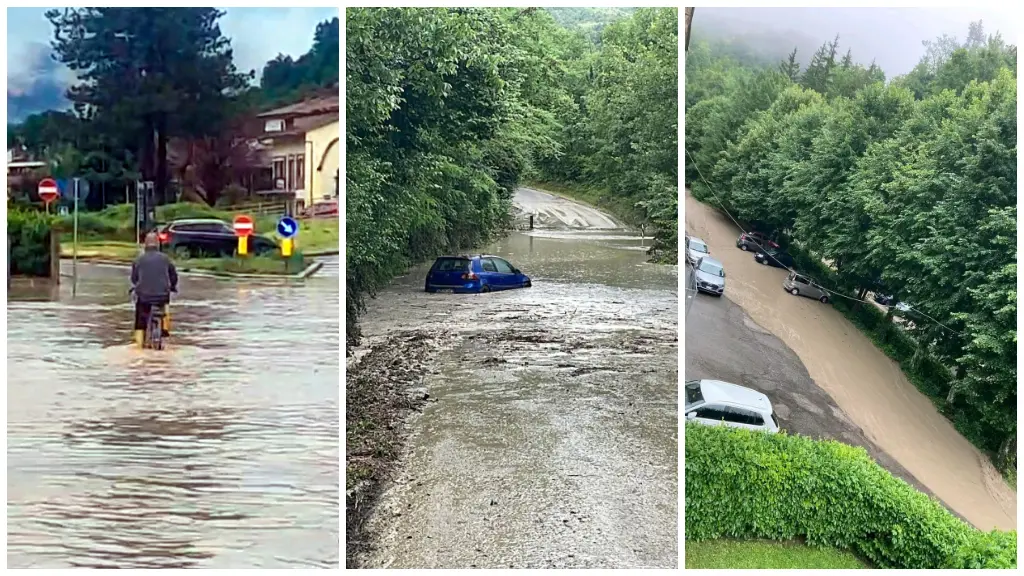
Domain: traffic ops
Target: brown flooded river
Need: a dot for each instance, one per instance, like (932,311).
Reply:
(220,452)
(866,385)
(551,435)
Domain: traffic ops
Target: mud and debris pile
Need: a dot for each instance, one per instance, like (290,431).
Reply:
(382,387)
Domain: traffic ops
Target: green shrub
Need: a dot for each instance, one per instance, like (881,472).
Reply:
(743,484)
(29,234)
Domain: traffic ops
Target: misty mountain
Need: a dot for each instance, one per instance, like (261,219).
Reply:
(892,37)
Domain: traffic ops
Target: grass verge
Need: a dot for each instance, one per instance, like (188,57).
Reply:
(126,252)
(748,554)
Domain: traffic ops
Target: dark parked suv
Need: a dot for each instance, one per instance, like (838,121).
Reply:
(774,257)
(754,241)
(207,237)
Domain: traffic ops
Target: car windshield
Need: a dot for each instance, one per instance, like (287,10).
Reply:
(693,395)
(698,246)
(711,268)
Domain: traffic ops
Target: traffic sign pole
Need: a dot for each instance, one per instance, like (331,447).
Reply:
(74,247)
(244,226)
(287,228)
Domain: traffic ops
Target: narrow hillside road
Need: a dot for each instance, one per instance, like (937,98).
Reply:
(550,437)
(865,384)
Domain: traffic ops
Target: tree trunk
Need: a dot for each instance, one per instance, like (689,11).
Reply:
(954,387)
(1006,458)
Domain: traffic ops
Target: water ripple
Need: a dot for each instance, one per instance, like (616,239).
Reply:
(220,452)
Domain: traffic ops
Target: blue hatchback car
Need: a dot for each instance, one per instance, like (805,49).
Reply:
(473,274)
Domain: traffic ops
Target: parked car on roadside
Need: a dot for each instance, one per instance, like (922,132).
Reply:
(800,285)
(717,403)
(198,237)
(710,276)
(474,274)
(754,241)
(696,249)
(774,257)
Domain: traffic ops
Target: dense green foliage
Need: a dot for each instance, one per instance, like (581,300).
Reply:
(765,554)
(901,195)
(28,232)
(744,484)
(285,79)
(448,110)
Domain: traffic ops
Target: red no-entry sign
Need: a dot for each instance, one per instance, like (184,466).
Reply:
(48,191)
(244,226)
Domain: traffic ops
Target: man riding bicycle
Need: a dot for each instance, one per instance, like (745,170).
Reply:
(153,279)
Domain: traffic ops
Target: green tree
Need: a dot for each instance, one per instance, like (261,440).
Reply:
(147,74)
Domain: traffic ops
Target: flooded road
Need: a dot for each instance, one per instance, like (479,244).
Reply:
(866,385)
(551,436)
(220,452)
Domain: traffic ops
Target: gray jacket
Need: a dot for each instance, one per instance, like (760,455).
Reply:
(154,276)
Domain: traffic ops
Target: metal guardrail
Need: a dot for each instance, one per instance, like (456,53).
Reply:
(271,208)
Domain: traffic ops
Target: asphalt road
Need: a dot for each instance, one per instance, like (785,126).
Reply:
(723,343)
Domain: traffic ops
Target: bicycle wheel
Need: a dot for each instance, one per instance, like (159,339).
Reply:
(154,332)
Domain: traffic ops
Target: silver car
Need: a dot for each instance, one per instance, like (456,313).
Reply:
(710,276)
(696,249)
(799,285)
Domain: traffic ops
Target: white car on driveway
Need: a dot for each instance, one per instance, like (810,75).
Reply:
(696,249)
(717,403)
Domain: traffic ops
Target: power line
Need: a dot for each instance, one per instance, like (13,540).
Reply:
(744,230)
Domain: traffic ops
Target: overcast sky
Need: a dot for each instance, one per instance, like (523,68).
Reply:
(892,36)
(35,82)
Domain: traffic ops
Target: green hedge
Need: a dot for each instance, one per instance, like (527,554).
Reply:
(118,222)
(29,234)
(743,484)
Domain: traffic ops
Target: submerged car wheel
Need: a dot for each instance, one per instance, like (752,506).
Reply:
(485,289)
(794,292)
(528,284)
(182,252)
(764,262)
(823,299)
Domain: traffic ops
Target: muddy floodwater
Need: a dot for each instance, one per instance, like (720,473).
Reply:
(550,438)
(866,385)
(220,452)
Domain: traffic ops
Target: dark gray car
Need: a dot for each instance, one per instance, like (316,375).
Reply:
(799,285)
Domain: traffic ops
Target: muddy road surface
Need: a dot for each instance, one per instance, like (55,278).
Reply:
(550,438)
(723,343)
(866,386)
(220,452)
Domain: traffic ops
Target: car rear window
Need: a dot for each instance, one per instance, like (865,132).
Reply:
(451,265)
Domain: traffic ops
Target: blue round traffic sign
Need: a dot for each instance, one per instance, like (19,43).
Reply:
(287,227)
